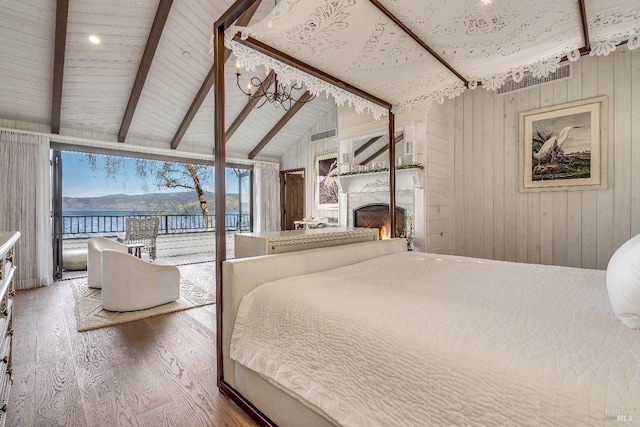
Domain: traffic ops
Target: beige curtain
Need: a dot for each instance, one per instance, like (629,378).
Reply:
(25,197)
(266,197)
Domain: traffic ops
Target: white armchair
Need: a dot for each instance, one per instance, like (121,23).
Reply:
(129,283)
(95,246)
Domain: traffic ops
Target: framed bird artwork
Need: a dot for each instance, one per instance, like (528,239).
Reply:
(564,147)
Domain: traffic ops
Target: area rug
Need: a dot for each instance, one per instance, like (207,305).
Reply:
(196,289)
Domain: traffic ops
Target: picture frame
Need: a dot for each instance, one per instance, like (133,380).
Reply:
(564,147)
(326,188)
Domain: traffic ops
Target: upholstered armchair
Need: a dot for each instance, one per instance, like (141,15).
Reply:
(95,246)
(129,283)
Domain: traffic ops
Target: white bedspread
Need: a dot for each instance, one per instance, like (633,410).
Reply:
(415,339)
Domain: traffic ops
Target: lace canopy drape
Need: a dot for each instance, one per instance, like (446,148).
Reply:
(266,196)
(24,205)
(487,42)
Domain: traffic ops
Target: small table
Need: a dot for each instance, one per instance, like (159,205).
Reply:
(135,249)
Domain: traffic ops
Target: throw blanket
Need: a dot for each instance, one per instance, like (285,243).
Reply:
(417,339)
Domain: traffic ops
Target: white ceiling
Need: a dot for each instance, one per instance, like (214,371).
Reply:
(98,78)
(487,41)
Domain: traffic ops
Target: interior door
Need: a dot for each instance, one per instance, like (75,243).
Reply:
(292,190)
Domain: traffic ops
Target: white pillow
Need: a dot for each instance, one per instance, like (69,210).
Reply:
(623,283)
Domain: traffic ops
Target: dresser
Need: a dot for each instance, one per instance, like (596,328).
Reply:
(7,270)
(277,242)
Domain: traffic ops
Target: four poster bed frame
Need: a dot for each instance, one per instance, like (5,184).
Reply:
(220,26)
(251,378)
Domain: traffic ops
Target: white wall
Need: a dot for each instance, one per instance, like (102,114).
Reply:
(302,154)
(576,228)
(438,161)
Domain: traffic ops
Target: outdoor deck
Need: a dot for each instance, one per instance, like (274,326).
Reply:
(173,249)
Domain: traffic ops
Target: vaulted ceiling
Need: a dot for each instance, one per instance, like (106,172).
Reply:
(121,88)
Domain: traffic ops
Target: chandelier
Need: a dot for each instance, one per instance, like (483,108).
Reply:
(281,96)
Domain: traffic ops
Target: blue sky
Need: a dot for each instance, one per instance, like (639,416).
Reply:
(78,180)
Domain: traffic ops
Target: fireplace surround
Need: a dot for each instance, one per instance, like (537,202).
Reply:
(362,190)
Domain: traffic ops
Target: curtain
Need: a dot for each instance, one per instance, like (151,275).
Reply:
(25,205)
(266,197)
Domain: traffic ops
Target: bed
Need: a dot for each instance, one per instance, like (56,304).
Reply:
(373,335)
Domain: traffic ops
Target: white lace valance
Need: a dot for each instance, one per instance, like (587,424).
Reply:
(487,42)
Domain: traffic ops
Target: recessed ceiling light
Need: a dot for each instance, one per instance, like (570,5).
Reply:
(94,39)
(486,2)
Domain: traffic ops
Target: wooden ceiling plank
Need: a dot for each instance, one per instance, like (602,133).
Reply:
(585,25)
(243,20)
(417,39)
(281,123)
(145,65)
(62,13)
(382,150)
(366,145)
(253,101)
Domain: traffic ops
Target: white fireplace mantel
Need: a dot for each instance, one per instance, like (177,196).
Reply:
(406,179)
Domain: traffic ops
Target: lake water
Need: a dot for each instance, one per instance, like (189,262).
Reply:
(111,223)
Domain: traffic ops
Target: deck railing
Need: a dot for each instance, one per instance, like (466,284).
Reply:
(111,225)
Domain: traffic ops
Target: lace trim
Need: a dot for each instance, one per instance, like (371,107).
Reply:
(539,69)
(250,60)
(330,18)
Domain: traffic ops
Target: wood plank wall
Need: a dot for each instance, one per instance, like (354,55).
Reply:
(574,228)
(435,139)
(302,155)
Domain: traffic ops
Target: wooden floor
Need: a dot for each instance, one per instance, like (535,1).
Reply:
(158,371)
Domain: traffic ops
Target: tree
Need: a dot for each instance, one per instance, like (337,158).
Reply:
(164,174)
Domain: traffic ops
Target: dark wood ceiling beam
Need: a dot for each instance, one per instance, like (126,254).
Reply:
(250,105)
(234,13)
(585,25)
(366,145)
(417,39)
(145,64)
(62,13)
(281,123)
(296,63)
(382,150)
(243,21)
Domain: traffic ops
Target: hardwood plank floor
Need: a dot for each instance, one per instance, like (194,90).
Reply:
(159,371)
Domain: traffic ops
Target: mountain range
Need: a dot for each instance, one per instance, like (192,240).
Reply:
(181,201)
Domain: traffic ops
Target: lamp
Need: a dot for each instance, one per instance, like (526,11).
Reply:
(282,95)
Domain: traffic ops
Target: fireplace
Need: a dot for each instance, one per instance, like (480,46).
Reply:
(376,215)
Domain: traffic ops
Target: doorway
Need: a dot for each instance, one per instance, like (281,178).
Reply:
(292,197)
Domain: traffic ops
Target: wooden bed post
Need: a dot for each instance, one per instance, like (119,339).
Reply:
(392,174)
(225,21)
(220,196)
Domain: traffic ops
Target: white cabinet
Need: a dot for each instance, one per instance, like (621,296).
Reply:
(7,270)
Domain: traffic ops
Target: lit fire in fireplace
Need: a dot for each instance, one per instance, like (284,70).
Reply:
(385,232)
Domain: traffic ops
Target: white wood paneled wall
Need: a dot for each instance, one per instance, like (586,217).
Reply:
(574,228)
(438,162)
(302,155)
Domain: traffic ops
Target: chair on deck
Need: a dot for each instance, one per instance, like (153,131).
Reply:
(142,230)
